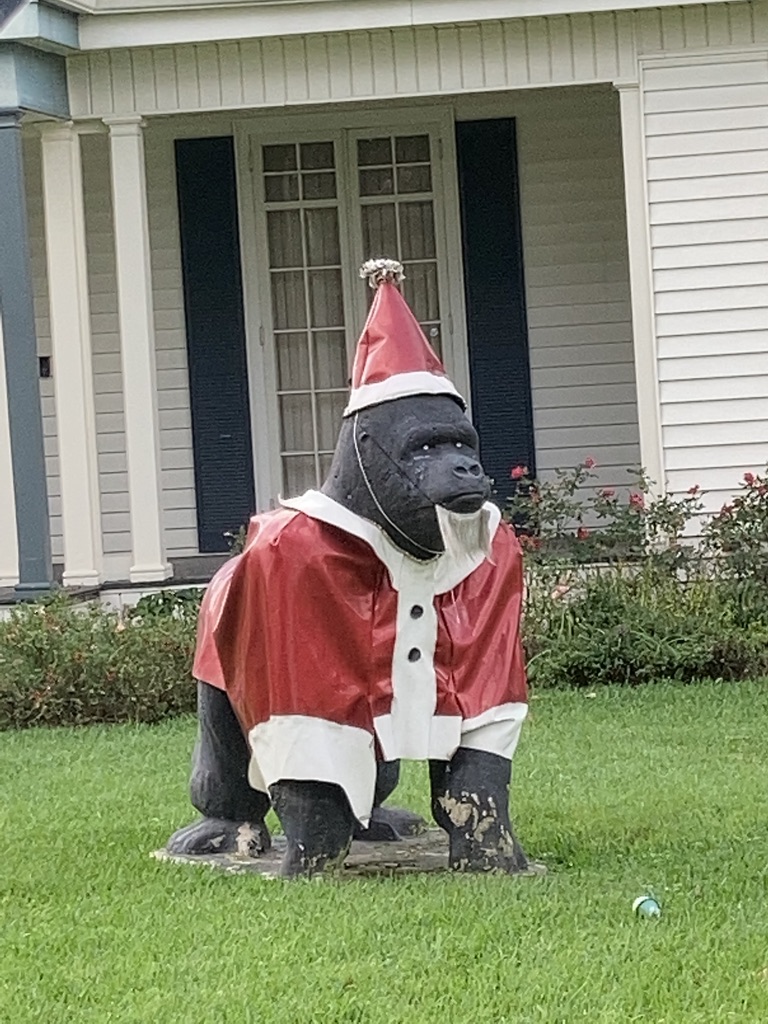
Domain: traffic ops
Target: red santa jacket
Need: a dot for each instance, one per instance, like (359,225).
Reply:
(335,647)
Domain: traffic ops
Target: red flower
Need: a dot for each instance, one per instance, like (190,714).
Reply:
(518,472)
(694,490)
(636,500)
(749,479)
(589,462)
(607,492)
(533,543)
(582,533)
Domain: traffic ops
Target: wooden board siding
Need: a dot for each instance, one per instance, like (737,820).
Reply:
(177,483)
(706,125)
(107,371)
(176,459)
(576,276)
(178,492)
(403,62)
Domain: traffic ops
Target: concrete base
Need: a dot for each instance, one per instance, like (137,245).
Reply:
(416,855)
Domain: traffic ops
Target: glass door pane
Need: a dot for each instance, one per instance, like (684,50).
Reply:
(299,190)
(395,188)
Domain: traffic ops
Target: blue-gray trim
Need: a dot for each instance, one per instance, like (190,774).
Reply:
(8,8)
(494,286)
(42,26)
(33,80)
(213,307)
(21,368)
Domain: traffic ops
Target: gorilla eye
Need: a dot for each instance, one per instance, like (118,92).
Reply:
(459,444)
(425,447)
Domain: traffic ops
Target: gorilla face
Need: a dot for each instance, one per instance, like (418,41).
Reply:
(435,446)
(396,462)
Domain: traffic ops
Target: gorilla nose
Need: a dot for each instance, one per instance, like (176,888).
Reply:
(468,469)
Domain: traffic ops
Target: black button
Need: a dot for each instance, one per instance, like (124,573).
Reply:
(414,654)
(417,611)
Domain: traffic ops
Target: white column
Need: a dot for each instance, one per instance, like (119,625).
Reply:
(641,282)
(9,552)
(137,345)
(71,349)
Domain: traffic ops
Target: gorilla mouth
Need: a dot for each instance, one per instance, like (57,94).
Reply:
(466,502)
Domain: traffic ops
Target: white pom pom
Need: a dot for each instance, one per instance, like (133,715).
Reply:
(380,270)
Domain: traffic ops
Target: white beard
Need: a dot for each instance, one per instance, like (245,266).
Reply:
(466,536)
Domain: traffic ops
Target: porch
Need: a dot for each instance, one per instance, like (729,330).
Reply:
(508,213)
(195,233)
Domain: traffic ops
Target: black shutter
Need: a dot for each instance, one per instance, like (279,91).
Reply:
(213,304)
(495,297)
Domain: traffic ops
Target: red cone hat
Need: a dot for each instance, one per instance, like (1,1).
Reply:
(393,358)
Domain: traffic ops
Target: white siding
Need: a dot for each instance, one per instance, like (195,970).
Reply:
(577,281)
(178,494)
(107,373)
(176,456)
(706,125)
(36,225)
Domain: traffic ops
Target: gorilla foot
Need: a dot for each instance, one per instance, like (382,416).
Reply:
(318,825)
(479,840)
(470,801)
(219,835)
(390,824)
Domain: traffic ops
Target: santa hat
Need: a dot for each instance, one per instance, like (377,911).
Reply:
(393,358)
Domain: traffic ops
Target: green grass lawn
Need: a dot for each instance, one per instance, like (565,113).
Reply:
(663,787)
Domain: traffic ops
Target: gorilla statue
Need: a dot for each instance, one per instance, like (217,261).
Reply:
(373,620)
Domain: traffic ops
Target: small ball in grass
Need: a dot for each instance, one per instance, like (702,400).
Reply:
(646,906)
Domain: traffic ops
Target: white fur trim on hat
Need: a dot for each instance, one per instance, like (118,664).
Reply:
(400,385)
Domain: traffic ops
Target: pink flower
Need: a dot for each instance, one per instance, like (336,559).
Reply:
(589,462)
(518,472)
(694,490)
(636,500)
(526,541)
(749,479)
(607,492)
(582,533)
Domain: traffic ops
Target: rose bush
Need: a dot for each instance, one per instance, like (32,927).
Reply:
(626,599)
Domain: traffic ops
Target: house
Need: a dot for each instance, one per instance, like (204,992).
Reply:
(578,190)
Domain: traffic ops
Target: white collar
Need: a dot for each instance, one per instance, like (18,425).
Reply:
(441,573)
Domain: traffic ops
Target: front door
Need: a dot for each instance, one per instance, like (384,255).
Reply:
(321,203)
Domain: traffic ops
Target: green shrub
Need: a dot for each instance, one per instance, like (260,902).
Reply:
(61,665)
(655,608)
(658,607)
(737,537)
(634,626)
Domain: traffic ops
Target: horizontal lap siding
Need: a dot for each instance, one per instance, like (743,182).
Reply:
(176,455)
(178,492)
(577,282)
(706,126)
(107,370)
(36,226)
